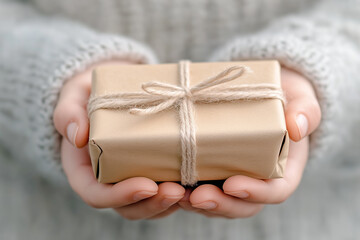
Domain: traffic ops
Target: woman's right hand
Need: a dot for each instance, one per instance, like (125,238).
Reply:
(134,198)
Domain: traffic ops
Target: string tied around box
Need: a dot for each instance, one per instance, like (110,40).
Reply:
(159,96)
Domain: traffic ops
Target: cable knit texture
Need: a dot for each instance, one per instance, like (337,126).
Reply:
(45,42)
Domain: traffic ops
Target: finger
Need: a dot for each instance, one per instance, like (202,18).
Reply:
(166,213)
(78,169)
(271,191)
(185,204)
(302,112)
(168,194)
(213,200)
(70,114)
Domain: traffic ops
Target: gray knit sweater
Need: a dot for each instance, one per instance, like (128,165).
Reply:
(43,43)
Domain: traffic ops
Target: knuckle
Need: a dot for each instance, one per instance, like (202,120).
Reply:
(71,110)
(314,109)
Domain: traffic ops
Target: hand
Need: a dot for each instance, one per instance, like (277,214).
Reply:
(243,196)
(134,198)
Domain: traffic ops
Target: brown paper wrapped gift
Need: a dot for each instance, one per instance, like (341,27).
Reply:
(244,137)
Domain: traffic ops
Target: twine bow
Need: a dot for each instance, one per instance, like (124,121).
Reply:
(159,96)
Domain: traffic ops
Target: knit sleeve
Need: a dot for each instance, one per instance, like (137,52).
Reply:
(324,45)
(37,55)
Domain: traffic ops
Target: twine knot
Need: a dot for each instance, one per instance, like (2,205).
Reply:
(159,96)
(187,93)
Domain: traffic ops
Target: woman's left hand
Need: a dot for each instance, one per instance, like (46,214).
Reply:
(243,196)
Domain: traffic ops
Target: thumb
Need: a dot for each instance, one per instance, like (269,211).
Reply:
(303,116)
(70,114)
(302,112)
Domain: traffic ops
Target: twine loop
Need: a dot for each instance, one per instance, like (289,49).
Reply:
(159,96)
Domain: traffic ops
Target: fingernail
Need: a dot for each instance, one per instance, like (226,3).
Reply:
(142,195)
(71,132)
(241,194)
(302,124)
(206,205)
(167,202)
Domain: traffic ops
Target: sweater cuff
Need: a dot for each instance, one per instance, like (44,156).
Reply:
(83,54)
(304,56)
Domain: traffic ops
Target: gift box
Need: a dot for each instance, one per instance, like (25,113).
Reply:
(187,122)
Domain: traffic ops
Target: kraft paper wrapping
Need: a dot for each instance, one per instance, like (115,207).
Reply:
(233,138)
